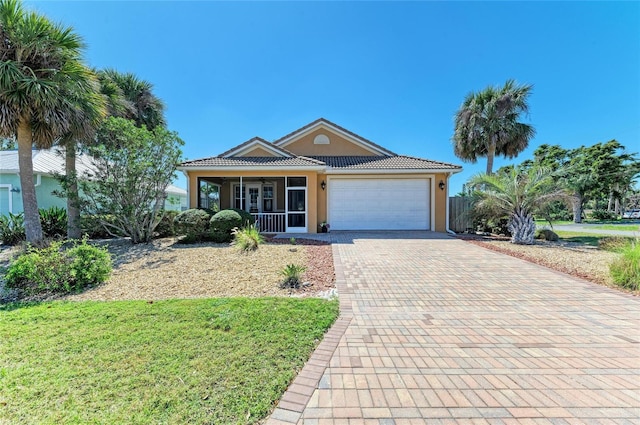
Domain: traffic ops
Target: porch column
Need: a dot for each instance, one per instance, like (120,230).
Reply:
(241,193)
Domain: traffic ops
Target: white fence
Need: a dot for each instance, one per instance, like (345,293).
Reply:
(271,222)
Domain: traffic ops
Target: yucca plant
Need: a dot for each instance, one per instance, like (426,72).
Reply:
(247,238)
(54,222)
(12,229)
(292,274)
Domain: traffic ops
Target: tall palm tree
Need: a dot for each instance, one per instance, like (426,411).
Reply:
(132,98)
(517,194)
(88,112)
(487,124)
(40,64)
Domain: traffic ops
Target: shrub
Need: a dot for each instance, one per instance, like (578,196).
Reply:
(547,235)
(224,222)
(292,274)
(625,271)
(603,215)
(166,227)
(54,269)
(54,222)
(12,229)
(247,239)
(192,223)
(93,228)
(247,218)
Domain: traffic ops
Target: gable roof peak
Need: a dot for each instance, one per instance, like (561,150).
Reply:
(253,143)
(349,135)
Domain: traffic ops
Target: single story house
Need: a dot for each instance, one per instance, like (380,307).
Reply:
(323,173)
(47,163)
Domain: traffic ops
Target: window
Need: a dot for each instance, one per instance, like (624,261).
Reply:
(236,202)
(209,195)
(267,198)
(296,181)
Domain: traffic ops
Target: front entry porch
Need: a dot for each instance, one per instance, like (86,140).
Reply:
(277,204)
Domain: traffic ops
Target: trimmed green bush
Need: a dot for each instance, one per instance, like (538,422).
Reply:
(93,229)
(12,229)
(247,218)
(247,238)
(193,224)
(54,222)
(59,270)
(625,271)
(166,227)
(547,235)
(223,223)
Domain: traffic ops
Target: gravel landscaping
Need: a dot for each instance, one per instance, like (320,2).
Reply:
(579,260)
(166,270)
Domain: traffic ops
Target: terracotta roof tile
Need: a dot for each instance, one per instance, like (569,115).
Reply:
(259,161)
(383,163)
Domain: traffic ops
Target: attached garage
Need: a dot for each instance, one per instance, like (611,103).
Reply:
(379,204)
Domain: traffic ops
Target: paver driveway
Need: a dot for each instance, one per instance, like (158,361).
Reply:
(436,330)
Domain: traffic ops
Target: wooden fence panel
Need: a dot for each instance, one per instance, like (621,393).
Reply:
(460,214)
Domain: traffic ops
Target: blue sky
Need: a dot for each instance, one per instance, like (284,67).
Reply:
(393,72)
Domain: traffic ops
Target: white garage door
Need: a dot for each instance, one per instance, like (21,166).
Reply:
(379,204)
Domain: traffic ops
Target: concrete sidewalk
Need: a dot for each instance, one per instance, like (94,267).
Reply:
(434,330)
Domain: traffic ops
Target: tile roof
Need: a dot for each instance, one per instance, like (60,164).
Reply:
(258,161)
(261,140)
(395,162)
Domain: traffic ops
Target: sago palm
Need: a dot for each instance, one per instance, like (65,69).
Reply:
(487,124)
(516,194)
(40,65)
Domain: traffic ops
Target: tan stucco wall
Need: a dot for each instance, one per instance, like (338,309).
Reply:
(312,189)
(256,152)
(316,197)
(337,145)
(441,203)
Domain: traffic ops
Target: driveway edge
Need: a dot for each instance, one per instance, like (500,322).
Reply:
(296,397)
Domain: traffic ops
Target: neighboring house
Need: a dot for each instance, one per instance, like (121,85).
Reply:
(46,163)
(323,173)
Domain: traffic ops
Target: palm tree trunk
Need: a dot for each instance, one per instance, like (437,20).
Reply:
(491,153)
(522,227)
(73,211)
(32,225)
(577,208)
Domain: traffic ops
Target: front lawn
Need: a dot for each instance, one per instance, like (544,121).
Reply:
(200,361)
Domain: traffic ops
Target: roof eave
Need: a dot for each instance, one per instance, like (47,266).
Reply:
(391,170)
(252,168)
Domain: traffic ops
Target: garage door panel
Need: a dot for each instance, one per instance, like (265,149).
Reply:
(379,204)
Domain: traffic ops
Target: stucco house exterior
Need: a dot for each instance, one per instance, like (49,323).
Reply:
(319,173)
(47,163)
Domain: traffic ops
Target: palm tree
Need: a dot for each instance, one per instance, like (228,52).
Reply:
(87,114)
(517,194)
(487,124)
(132,98)
(40,65)
(123,95)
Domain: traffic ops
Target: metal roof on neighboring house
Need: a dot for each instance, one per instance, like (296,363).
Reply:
(51,161)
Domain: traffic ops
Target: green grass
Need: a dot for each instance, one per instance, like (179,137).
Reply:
(216,361)
(579,237)
(627,227)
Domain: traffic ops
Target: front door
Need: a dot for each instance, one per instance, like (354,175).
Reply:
(253,205)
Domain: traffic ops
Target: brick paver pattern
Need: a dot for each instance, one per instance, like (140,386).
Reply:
(434,330)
